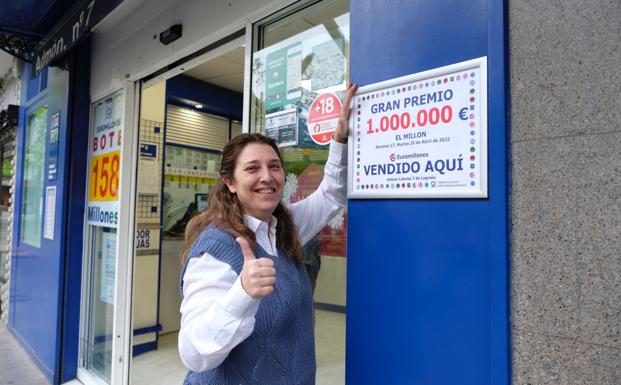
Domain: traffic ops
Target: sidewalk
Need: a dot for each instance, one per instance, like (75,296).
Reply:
(16,368)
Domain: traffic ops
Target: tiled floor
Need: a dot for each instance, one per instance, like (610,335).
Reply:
(163,366)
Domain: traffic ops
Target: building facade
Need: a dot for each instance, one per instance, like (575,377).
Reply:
(119,141)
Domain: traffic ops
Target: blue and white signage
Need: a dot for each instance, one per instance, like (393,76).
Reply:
(421,136)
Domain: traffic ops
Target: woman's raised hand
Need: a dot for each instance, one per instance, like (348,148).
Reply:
(340,135)
(258,275)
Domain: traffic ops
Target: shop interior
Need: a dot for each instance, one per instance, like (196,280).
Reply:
(185,121)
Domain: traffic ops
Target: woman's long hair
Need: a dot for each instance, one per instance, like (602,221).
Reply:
(225,210)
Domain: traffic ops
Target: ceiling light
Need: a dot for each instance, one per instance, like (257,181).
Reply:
(198,106)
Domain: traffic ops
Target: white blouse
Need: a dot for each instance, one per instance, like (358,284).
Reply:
(216,312)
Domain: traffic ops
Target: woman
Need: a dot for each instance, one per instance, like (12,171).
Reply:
(246,315)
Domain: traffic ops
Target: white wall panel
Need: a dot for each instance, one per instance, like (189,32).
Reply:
(124,47)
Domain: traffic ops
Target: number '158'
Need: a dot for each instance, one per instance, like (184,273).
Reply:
(104,184)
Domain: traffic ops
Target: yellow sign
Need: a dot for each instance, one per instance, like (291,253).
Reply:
(105,170)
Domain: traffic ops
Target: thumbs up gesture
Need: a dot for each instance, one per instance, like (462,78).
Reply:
(258,275)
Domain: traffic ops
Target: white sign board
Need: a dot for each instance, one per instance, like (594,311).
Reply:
(108,267)
(421,136)
(282,126)
(50,212)
(105,162)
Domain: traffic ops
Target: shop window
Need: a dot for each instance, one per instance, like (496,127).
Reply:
(298,57)
(301,57)
(190,174)
(32,183)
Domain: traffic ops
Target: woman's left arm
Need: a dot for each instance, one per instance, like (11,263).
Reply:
(312,213)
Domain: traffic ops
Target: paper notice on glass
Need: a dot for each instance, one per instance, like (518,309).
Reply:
(283,127)
(108,266)
(283,77)
(149,170)
(294,72)
(50,212)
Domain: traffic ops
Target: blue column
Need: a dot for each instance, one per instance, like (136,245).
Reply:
(428,289)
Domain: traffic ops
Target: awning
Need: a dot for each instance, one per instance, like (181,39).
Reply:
(41,31)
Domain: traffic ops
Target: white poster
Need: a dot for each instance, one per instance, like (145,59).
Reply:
(50,212)
(105,162)
(149,180)
(421,136)
(282,126)
(108,266)
(294,72)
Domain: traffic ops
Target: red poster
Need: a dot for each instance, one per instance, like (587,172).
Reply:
(333,236)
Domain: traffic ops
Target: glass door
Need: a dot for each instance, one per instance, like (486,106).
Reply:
(103,335)
(300,71)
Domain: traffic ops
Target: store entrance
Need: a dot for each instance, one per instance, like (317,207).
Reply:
(185,120)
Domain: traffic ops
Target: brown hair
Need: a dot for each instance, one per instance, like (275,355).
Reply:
(225,210)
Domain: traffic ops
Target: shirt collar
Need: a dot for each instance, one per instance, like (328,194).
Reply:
(254,224)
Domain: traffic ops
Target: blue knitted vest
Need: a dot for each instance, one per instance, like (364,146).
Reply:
(281,349)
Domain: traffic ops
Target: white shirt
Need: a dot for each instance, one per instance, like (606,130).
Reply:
(216,312)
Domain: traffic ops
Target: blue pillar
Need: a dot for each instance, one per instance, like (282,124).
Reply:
(428,279)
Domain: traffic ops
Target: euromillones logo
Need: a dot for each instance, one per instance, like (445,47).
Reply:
(393,157)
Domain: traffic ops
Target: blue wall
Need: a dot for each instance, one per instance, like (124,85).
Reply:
(185,91)
(36,272)
(45,288)
(427,295)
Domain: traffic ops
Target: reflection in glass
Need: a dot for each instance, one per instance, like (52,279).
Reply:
(298,58)
(97,349)
(301,57)
(190,175)
(32,187)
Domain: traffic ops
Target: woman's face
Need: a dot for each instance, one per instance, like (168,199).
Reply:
(258,180)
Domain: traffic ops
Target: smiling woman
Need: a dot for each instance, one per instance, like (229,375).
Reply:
(247,311)
(258,180)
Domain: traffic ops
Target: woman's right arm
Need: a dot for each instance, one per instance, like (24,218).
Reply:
(216,313)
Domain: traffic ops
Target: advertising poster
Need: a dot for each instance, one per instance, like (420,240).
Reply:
(333,237)
(296,73)
(422,135)
(283,77)
(282,126)
(105,162)
(52,148)
(108,266)
(150,168)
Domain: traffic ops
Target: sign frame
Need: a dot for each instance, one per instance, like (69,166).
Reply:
(481,191)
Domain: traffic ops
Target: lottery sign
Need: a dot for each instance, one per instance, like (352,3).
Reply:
(421,136)
(105,162)
(323,117)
